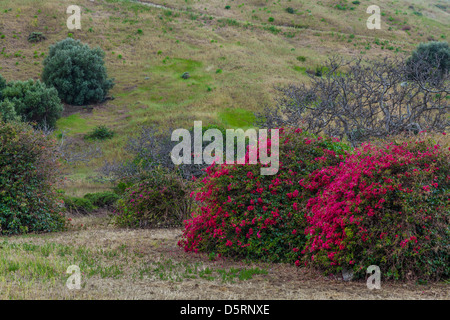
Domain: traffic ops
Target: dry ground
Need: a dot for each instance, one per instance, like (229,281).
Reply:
(148,264)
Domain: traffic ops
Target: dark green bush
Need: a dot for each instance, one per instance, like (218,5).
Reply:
(28,172)
(32,101)
(121,187)
(160,198)
(100,133)
(36,37)
(8,112)
(2,85)
(290,10)
(432,54)
(77,72)
(102,199)
(78,205)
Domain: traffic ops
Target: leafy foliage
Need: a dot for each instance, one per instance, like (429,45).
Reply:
(100,133)
(2,85)
(386,205)
(160,198)
(433,54)
(248,215)
(30,101)
(77,72)
(36,37)
(102,199)
(28,171)
(78,205)
(8,112)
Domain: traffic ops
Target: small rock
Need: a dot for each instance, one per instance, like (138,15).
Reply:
(347,275)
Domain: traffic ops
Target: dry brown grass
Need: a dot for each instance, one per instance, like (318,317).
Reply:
(144,247)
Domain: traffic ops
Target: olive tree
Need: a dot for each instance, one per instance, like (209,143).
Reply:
(77,72)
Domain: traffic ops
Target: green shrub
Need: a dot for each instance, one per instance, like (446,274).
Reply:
(28,172)
(2,85)
(434,54)
(102,199)
(100,133)
(78,205)
(290,10)
(301,58)
(33,101)
(160,198)
(8,112)
(318,72)
(77,72)
(36,37)
(121,187)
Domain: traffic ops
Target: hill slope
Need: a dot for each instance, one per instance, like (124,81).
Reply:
(235,52)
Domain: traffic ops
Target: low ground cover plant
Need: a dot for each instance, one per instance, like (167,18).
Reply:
(90,202)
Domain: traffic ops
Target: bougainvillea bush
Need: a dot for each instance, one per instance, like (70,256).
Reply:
(28,172)
(158,198)
(385,205)
(244,214)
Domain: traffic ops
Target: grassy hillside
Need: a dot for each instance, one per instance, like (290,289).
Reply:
(235,52)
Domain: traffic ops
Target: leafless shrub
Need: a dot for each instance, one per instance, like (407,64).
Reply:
(360,100)
(74,152)
(150,149)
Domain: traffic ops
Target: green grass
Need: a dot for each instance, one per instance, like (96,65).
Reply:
(73,124)
(48,262)
(178,271)
(237,118)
